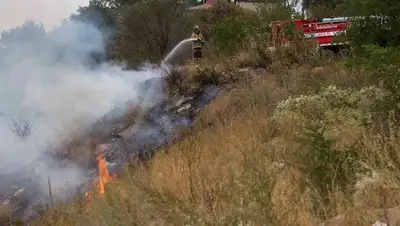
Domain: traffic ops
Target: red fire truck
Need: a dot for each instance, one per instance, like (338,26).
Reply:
(322,31)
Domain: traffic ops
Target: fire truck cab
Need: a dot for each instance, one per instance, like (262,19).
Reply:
(322,31)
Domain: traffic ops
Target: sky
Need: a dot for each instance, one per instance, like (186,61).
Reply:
(14,13)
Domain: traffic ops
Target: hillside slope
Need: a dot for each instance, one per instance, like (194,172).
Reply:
(287,147)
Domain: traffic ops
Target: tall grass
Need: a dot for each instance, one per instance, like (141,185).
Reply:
(253,158)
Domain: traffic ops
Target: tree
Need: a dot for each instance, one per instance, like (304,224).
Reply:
(101,13)
(323,8)
(23,41)
(149,29)
(382,29)
(104,14)
(27,33)
(375,37)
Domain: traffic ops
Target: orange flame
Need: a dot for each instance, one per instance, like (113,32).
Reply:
(87,197)
(104,175)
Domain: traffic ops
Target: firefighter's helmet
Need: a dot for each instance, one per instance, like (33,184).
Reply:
(196,29)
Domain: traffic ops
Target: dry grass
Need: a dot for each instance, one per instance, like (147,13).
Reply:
(278,149)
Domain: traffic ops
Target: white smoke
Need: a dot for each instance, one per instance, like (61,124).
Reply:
(46,78)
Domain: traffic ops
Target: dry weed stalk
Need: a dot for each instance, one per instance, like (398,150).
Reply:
(23,128)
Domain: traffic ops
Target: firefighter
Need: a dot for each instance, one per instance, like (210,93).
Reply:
(197,44)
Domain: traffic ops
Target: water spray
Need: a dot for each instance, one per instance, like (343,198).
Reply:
(175,49)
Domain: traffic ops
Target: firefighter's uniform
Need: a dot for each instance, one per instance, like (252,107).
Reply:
(197,44)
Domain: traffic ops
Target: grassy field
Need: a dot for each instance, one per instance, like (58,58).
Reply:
(286,145)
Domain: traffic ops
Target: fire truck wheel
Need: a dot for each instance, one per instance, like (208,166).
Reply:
(327,54)
(343,53)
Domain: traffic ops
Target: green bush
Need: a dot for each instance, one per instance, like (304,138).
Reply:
(376,41)
(207,19)
(329,127)
(206,76)
(331,108)
(382,29)
(383,64)
(226,26)
(175,81)
(230,34)
(326,168)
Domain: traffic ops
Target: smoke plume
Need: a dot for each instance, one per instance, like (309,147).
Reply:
(49,89)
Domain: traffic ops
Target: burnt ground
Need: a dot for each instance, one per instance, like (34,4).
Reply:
(138,138)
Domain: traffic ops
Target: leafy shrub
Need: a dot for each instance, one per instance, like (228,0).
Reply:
(380,23)
(206,76)
(207,19)
(175,81)
(384,66)
(330,107)
(376,40)
(254,58)
(226,25)
(230,34)
(326,168)
(330,126)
